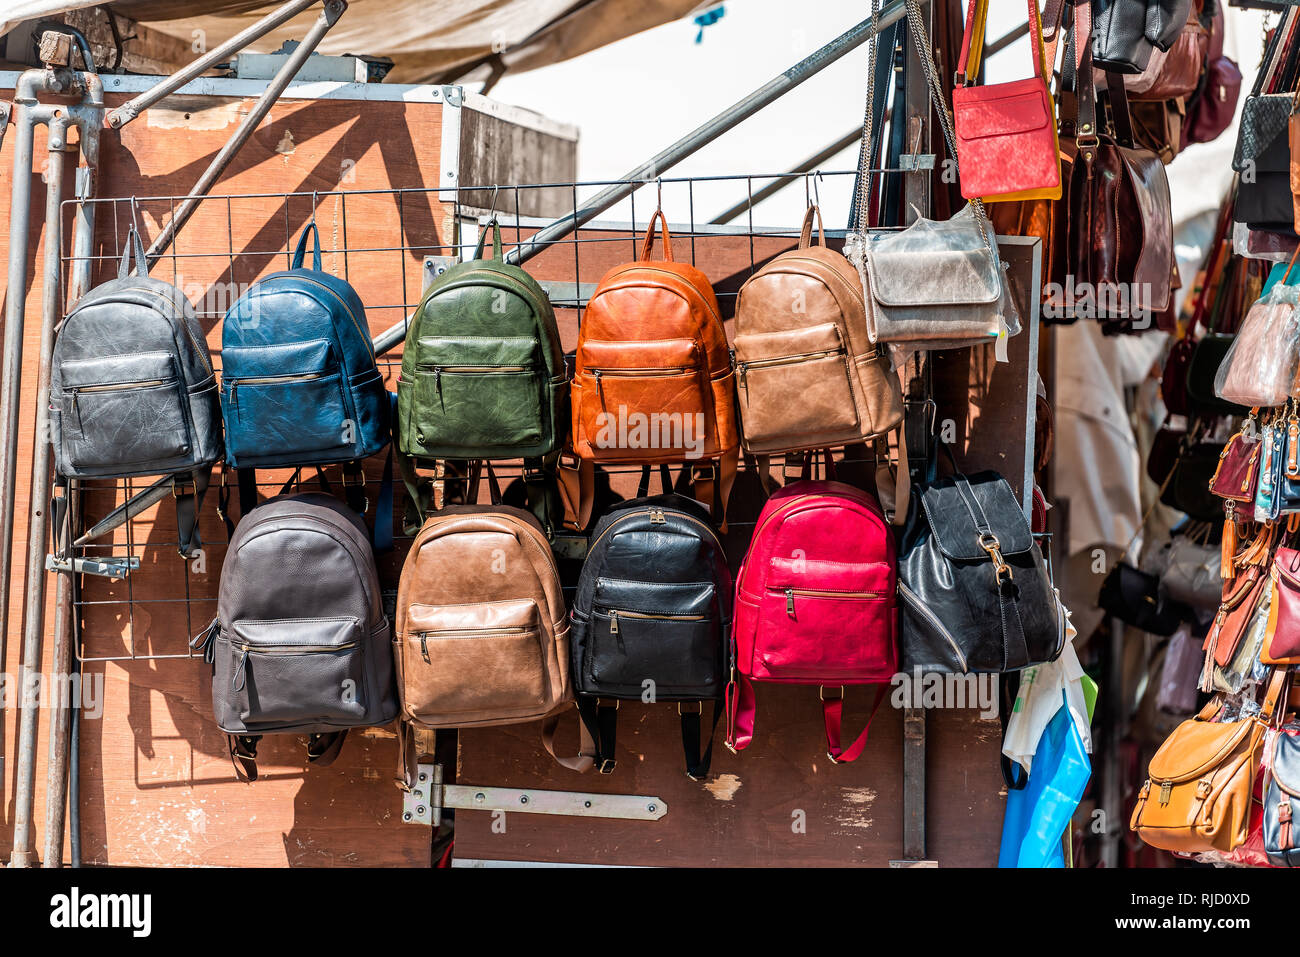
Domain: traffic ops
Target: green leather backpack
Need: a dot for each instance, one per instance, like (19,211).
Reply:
(483,374)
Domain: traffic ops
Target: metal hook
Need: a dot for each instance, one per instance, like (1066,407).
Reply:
(659,185)
(314,199)
(492,209)
(816,185)
(807,194)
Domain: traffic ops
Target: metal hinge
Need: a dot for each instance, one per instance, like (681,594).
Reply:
(425,802)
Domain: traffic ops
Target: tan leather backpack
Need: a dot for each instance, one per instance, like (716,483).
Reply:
(1199,788)
(482,635)
(653,383)
(807,373)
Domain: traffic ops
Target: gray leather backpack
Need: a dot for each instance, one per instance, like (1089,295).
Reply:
(300,644)
(132,391)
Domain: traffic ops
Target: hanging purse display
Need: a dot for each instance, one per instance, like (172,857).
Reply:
(1241,600)
(1126,32)
(1263,153)
(1237,473)
(1272,460)
(1282,801)
(1121,230)
(1293,160)
(1006,132)
(1188,490)
(1133,596)
(935,284)
(1192,573)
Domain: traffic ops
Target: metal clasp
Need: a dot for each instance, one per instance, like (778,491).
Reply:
(989,542)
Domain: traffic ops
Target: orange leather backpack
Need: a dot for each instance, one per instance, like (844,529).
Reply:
(653,383)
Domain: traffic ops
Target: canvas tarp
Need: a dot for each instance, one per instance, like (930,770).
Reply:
(430,40)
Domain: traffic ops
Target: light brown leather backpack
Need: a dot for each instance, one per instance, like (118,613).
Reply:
(653,383)
(482,635)
(807,373)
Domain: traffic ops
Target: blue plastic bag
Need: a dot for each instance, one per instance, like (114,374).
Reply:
(1038,815)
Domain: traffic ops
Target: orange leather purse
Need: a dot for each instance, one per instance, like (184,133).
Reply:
(1197,796)
(653,383)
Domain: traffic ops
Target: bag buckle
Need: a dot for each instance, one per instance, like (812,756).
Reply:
(821,693)
(989,542)
(180,488)
(354,479)
(699,707)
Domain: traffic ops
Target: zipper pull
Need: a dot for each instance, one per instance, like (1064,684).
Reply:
(600,389)
(437,386)
(234,398)
(76,406)
(613,623)
(1165,788)
(789,602)
(239,679)
(205,640)
(424,647)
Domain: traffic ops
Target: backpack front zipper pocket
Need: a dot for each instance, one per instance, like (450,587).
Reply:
(293,671)
(123,411)
(811,364)
(660,635)
(480,392)
(285,399)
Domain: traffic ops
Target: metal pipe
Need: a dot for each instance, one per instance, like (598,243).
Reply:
(730,117)
(328,17)
(128,111)
(34,605)
(781,182)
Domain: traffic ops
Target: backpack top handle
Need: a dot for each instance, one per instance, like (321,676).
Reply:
(805,233)
(495,227)
(133,245)
(301,251)
(649,244)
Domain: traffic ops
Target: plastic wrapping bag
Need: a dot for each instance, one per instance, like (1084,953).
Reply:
(1180,673)
(1260,366)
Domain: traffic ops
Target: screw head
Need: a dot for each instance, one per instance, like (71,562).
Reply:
(419,809)
(480,797)
(652,808)
(406,815)
(523,799)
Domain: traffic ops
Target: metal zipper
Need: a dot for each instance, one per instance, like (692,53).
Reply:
(464,633)
(923,610)
(122,386)
(651,512)
(239,678)
(614,613)
(268,380)
(790,592)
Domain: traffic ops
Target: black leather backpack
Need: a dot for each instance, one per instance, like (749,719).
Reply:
(649,620)
(973,586)
(132,391)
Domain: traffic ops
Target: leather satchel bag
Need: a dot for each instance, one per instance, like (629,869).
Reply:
(1237,473)
(653,382)
(1006,132)
(1126,32)
(801,330)
(934,284)
(1188,489)
(1241,600)
(1198,792)
(975,591)
(1133,596)
(815,605)
(657,625)
(1214,105)
(1121,230)
(1282,801)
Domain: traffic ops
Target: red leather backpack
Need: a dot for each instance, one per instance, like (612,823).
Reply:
(815,605)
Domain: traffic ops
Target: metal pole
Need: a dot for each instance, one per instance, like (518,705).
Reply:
(34,606)
(328,17)
(11,364)
(781,182)
(666,159)
(128,111)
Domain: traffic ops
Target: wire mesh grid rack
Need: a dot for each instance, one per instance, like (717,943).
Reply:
(389,244)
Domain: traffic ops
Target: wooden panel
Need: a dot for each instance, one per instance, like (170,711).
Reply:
(493,149)
(157,786)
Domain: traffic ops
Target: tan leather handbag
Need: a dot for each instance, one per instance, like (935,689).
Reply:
(1198,791)
(482,635)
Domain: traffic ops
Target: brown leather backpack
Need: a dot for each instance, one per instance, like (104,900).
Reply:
(1197,795)
(653,383)
(482,635)
(807,374)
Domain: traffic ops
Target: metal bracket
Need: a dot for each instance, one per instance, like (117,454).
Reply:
(914,162)
(425,802)
(435,266)
(116,568)
(6,109)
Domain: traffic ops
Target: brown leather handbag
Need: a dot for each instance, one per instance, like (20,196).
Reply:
(1241,597)
(653,382)
(1238,470)
(1121,228)
(482,633)
(1197,795)
(801,331)
(1282,637)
